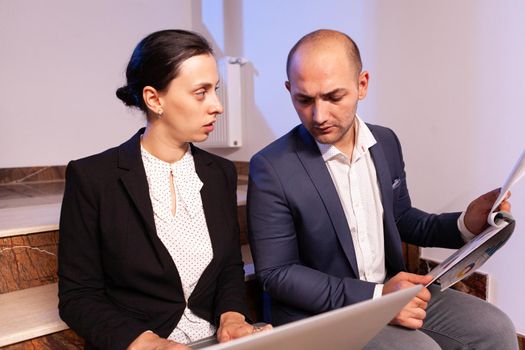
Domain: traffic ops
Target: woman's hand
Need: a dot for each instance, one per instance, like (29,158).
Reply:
(151,341)
(233,326)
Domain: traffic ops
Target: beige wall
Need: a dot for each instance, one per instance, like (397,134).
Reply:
(60,64)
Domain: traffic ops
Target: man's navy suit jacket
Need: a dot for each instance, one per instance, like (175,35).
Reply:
(299,236)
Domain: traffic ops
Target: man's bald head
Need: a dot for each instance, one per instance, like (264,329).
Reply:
(324,38)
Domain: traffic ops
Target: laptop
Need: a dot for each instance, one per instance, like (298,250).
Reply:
(350,327)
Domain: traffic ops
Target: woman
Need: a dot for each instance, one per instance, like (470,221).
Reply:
(149,253)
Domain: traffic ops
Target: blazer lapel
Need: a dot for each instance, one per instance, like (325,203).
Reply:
(211,198)
(383,178)
(391,234)
(310,157)
(133,177)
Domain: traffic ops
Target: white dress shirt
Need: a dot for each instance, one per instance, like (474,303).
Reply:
(356,183)
(185,234)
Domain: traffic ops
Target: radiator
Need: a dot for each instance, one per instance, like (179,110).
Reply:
(228,127)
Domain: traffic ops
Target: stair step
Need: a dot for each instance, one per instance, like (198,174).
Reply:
(29,313)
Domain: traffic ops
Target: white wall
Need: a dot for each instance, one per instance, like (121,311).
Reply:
(60,64)
(450,80)
(447,76)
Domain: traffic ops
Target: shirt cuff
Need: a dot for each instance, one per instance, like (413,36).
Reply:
(466,235)
(378,291)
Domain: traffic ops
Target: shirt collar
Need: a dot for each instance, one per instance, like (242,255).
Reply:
(364,140)
(186,159)
(185,179)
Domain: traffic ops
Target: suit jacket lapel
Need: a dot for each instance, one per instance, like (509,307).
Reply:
(383,178)
(211,198)
(310,157)
(391,234)
(133,177)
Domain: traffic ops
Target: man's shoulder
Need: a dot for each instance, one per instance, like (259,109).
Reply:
(386,137)
(281,147)
(380,131)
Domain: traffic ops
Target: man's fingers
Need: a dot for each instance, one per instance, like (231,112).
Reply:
(408,322)
(411,316)
(424,295)
(421,303)
(413,323)
(505,206)
(418,279)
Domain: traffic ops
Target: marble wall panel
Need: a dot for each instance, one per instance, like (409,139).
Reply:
(28,261)
(31,186)
(32,174)
(64,340)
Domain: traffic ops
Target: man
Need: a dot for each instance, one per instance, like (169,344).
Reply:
(328,207)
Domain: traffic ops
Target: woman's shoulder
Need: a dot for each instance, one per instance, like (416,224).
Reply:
(107,163)
(94,170)
(96,160)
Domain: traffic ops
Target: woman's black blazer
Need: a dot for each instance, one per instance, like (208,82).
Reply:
(116,278)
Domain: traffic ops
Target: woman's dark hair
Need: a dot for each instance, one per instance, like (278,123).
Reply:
(156,61)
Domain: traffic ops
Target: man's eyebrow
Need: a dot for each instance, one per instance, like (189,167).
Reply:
(334,92)
(302,95)
(324,95)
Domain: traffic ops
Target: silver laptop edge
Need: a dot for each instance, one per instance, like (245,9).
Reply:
(353,325)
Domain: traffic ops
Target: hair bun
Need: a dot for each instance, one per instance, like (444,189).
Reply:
(126,95)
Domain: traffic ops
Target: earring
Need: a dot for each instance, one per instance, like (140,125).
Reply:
(159,113)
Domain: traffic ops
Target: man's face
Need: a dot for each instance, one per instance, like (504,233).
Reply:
(325,88)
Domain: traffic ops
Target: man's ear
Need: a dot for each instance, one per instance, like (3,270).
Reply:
(152,100)
(287,85)
(363,84)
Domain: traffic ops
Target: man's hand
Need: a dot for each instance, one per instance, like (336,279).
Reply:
(478,210)
(151,341)
(233,325)
(413,314)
